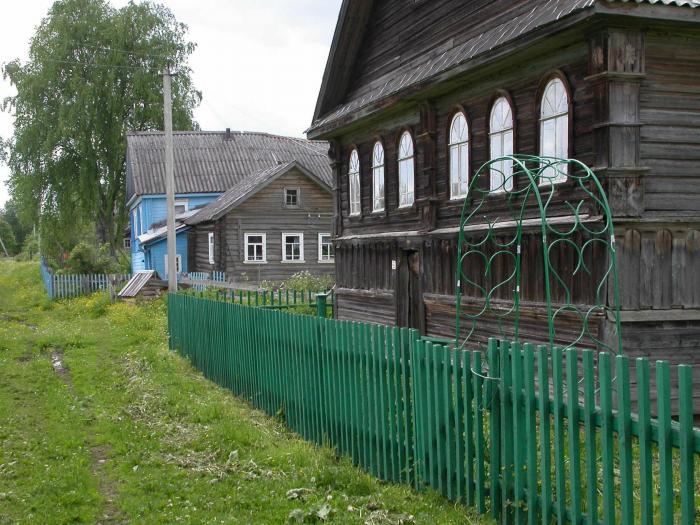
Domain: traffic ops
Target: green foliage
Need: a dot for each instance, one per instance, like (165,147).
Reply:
(93,74)
(302,281)
(84,258)
(10,214)
(8,238)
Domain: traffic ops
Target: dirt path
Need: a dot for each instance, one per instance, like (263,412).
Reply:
(109,513)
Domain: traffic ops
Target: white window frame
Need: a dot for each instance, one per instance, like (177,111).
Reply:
(459,146)
(210,244)
(298,190)
(178,263)
(560,119)
(284,247)
(135,215)
(378,190)
(126,242)
(354,191)
(321,259)
(407,177)
(245,248)
(503,135)
(181,202)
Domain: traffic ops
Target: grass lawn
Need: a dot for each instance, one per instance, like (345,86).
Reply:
(100,423)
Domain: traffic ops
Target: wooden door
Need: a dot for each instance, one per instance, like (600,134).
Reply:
(408,290)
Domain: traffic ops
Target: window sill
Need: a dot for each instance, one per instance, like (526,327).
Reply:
(293,262)
(254,262)
(332,261)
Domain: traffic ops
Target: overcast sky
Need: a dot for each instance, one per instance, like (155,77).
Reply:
(258,63)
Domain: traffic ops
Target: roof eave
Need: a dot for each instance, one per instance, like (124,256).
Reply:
(331,129)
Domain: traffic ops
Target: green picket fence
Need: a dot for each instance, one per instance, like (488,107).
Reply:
(269,298)
(480,429)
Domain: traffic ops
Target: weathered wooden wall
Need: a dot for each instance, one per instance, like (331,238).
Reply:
(265,212)
(670,112)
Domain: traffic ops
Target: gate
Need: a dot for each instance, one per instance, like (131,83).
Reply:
(536,257)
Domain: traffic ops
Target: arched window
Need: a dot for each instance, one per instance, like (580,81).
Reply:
(501,140)
(459,156)
(354,182)
(378,177)
(554,129)
(406,178)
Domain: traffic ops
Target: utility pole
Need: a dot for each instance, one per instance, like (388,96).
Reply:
(169,178)
(3,248)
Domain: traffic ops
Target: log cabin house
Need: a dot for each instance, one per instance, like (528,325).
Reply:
(267,227)
(417,95)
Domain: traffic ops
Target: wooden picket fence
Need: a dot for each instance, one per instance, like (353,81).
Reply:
(63,286)
(524,433)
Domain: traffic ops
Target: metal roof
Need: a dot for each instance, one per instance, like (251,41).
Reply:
(679,3)
(212,162)
(446,59)
(247,187)
(136,283)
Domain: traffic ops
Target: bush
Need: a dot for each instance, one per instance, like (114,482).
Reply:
(302,281)
(85,258)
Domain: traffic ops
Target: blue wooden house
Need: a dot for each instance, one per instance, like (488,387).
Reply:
(207,164)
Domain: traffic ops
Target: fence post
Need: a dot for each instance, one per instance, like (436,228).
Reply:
(321,305)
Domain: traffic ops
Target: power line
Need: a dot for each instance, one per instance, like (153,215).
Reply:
(126,52)
(98,65)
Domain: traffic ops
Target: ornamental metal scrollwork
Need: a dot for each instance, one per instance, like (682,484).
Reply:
(536,258)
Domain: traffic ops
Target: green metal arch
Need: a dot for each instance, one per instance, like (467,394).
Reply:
(534,201)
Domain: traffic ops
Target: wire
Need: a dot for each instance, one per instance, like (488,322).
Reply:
(123,51)
(104,66)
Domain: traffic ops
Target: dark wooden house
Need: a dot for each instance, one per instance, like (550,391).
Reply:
(417,95)
(273,223)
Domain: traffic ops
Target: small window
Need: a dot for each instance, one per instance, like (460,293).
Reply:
(178,264)
(210,238)
(354,183)
(181,207)
(378,177)
(459,157)
(127,242)
(325,248)
(406,169)
(255,247)
(501,141)
(554,130)
(291,197)
(292,247)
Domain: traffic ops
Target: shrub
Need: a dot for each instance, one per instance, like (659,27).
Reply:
(302,281)
(85,258)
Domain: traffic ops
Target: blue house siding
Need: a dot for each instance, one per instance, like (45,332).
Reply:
(155,252)
(150,209)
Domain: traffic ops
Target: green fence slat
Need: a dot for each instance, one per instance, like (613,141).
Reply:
(624,433)
(494,406)
(468,395)
(606,439)
(438,439)
(530,409)
(559,443)
(687,455)
(458,393)
(574,435)
(646,489)
(589,432)
(479,474)
(507,442)
(663,392)
(448,421)
(519,436)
